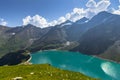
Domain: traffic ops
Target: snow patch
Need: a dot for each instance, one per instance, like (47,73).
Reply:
(66,24)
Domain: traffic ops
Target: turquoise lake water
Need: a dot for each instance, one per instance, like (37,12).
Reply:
(74,61)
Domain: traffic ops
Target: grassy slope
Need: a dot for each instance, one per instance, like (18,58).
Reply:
(40,72)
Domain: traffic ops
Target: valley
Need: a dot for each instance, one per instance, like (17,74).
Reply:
(98,36)
(60,40)
(92,37)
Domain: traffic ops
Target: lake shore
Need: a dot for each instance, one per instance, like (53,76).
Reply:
(81,53)
(105,59)
(28,60)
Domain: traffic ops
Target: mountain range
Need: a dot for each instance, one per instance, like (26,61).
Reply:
(98,36)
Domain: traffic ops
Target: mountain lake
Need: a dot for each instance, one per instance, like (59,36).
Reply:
(75,61)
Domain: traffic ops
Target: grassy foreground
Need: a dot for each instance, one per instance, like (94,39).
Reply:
(39,72)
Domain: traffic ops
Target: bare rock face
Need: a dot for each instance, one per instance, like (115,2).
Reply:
(19,38)
(103,39)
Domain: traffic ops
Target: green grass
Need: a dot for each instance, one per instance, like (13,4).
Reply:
(39,72)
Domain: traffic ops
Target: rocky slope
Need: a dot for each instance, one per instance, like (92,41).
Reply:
(19,38)
(97,36)
(103,39)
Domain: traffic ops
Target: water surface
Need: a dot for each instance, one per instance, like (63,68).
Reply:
(75,61)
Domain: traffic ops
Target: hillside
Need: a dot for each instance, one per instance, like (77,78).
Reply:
(60,34)
(39,72)
(19,38)
(96,36)
(103,39)
(74,32)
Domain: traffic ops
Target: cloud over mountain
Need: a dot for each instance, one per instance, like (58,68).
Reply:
(35,20)
(76,14)
(92,9)
(116,11)
(40,21)
(96,7)
(3,22)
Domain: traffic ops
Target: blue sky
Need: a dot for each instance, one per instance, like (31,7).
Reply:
(14,11)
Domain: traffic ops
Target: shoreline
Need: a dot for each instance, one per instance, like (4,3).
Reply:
(98,57)
(105,59)
(28,60)
(78,52)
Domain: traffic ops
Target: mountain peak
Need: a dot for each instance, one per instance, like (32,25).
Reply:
(82,20)
(68,21)
(29,25)
(101,17)
(104,13)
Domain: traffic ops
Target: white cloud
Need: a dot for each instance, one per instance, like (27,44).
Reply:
(116,11)
(36,20)
(92,9)
(40,21)
(53,23)
(77,14)
(102,5)
(96,7)
(3,22)
(91,4)
(67,16)
(61,20)
(27,20)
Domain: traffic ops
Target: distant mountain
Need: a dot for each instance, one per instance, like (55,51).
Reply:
(18,38)
(3,37)
(66,23)
(97,36)
(99,18)
(60,34)
(53,39)
(83,20)
(68,31)
(2,31)
(83,25)
(103,39)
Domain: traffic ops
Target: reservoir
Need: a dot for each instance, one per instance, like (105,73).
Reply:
(75,61)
